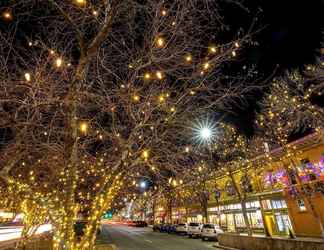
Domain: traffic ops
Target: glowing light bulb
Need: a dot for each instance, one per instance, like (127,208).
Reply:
(160,42)
(212,49)
(188,58)
(187,149)
(145,154)
(84,127)
(161,98)
(7,15)
(147,76)
(95,13)
(27,77)
(234,53)
(80,2)
(163,12)
(172,109)
(58,62)
(136,98)
(236,44)
(206,65)
(159,75)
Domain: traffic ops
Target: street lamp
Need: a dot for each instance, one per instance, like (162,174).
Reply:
(143,184)
(204,131)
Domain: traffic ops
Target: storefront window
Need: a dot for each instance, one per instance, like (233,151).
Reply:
(230,222)
(276,179)
(223,220)
(239,220)
(255,219)
(278,204)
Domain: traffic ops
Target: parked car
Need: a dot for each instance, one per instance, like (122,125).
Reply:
(194,229)
(181,228)
(210,232)
(157,227)
(171,228)
(140,224)
(164,228)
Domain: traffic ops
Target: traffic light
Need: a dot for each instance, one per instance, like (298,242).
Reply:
(108,215)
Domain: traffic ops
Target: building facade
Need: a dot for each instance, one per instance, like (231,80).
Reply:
(283,196)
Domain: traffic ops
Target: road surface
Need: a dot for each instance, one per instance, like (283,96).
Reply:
(132,238)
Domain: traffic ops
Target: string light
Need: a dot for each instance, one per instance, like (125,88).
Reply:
(206,65)
(160,42)
(7,15)
(136,98)
(28,77)
(58,62)
(80,2)
(188,58)
(159,75)
(212,49)
(163,12)
(84,127)
(147,76)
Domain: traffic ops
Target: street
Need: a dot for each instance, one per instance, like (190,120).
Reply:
(133,238)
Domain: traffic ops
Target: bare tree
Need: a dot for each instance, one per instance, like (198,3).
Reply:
(286,110)
(102,93)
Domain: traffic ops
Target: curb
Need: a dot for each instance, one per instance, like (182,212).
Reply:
(224,247)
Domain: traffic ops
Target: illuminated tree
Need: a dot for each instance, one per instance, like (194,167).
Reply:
(230,151)
(102,93)
(286,110)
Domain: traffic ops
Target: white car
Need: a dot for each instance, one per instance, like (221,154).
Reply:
(210,231)
(194,229)
(181,228)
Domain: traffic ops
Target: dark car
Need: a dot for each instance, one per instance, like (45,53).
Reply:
(171,229)
(140,224)
(157,227)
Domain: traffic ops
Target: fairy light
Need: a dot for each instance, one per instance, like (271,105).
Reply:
(27,77)
(212,49)
(206,66)
(58,62)
(136,98)
(233,53)
(147,76)
(84,127)
(188,58)
(160,42)
(159,75)
(7,15)
(163,12)
(80,2)
(145,154)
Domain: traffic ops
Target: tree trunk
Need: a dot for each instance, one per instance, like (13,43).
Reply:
(242,201)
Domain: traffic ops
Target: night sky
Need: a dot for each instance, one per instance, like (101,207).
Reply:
(289,35)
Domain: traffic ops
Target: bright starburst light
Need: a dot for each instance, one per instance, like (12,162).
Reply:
(204,132)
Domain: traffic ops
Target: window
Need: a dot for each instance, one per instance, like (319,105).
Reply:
(301,205)
(239,220)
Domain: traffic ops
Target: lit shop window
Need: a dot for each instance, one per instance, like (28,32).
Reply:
(301,205)
(277,204)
